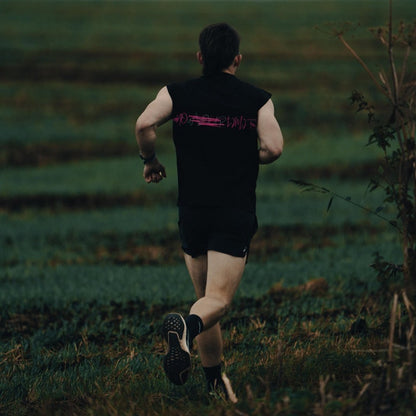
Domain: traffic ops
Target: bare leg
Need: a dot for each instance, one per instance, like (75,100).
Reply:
(215,278)
(210,346)
(210,341)
(224,274)
(197,268)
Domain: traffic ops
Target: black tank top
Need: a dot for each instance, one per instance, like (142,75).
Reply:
(215,135)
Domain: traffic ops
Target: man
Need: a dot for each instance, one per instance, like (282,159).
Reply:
(222,129)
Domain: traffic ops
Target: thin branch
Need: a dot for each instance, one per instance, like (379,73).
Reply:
(363,64)
(392,326)
(310,187)
(404,67)
(383,78)
(391,57)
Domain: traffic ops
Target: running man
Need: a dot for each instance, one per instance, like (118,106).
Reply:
(223,128)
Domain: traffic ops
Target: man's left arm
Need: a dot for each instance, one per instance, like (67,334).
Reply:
(270,135)
(156,113)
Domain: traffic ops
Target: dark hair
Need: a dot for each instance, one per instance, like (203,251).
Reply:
(219,45)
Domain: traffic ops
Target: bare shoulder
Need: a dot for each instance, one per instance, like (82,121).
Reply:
(267,107)
(158,111)
(163,94)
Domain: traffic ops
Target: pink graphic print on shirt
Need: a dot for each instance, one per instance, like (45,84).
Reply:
(230,122)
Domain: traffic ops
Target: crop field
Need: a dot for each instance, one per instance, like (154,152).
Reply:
(90,260)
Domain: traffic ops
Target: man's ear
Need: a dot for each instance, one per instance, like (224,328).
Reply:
(237,60)
(199,57)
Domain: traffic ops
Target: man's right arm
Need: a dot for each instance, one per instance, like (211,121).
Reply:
(155,114)
(270,135)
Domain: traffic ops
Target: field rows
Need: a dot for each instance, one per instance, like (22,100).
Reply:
(57,120)
(340,155)
(158,246)
(90,260)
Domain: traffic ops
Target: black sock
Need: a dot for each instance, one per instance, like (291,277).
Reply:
(195,327)
(212,373)
(213,376)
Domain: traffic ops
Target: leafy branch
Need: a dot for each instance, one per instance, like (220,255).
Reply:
(310,187)
(393,134)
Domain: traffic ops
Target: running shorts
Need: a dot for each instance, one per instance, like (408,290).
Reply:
(226,230)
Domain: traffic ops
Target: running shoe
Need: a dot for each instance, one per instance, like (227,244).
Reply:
(221,389)
(177,362)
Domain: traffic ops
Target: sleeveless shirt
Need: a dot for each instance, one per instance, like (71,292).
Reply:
(215,135)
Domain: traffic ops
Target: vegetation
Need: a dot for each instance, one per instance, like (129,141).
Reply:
(89,256)
(394,134)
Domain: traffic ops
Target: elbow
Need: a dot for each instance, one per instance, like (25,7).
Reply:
(276,151)
(271,153)
(144,123)
(279,146)
(145,133)
(141,125)
(144,129)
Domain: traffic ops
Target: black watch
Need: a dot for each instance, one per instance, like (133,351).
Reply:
(148,159)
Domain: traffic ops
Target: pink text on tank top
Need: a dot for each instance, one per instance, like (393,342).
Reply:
(230,122)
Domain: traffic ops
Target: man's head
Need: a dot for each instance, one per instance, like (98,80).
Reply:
(219,47)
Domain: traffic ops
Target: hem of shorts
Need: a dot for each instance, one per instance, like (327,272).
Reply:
(195,254)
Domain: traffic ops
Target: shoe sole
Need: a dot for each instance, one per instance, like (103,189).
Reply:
(177,362)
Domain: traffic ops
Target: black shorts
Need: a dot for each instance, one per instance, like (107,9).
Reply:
(226,230)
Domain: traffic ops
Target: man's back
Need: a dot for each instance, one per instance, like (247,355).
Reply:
(215,134)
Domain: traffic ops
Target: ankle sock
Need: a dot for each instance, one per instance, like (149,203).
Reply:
(195,326)
(212,374)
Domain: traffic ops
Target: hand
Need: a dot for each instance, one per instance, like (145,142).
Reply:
(154,171)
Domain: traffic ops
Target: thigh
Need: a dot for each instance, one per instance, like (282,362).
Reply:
(197,269)
(224,273)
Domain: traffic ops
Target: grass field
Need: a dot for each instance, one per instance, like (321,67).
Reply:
(89,254)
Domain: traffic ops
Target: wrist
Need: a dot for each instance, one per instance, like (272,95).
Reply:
(148,159)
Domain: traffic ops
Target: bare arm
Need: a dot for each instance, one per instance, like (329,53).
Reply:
(270,135)
(155,114)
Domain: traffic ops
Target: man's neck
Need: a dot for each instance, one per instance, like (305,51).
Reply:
(230,71)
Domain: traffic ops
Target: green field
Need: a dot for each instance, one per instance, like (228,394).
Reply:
(90,260)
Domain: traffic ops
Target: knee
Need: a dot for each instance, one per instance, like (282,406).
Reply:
(223,305)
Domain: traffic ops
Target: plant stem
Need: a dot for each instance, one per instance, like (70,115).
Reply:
(391,57)
(370,211)
(363,64)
